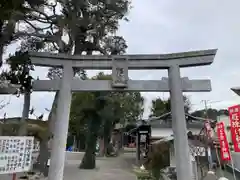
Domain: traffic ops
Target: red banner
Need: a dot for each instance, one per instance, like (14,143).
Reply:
(224,147)
(234,117)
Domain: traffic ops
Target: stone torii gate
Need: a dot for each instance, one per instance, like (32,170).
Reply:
(119,64)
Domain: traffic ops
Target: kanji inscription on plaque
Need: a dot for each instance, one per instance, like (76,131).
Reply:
(15,153)
(119,72)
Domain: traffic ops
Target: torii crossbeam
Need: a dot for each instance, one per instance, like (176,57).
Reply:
(133,85)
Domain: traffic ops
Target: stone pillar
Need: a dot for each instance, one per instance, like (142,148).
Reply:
(194,168)
(61,126)
(183,163)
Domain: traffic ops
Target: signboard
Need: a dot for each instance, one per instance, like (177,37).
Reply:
(15,153)
(143,140)
(234,117)
(224,147)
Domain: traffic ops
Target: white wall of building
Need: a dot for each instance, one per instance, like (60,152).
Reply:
(164,132)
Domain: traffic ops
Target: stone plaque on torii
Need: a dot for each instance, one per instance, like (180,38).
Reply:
(120,64)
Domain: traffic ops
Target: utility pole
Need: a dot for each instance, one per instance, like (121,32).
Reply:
(205,105)
(209,153)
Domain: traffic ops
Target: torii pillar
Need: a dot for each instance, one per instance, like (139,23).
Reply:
(120,65)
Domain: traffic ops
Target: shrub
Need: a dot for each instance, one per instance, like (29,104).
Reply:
(158,159)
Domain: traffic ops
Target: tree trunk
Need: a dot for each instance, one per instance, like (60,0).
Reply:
(89,158)
(107,148)
(107,139)
(102,147)
(25,114)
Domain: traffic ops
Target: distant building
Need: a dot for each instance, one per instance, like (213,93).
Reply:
(163,127)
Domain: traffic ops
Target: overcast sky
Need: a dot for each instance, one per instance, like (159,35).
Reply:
(167,26)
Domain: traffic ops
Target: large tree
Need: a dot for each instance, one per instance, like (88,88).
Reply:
(14,15)
(19,73)
(160,107)
(89,26)
(98,121)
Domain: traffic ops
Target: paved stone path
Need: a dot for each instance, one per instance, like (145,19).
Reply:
(107,169)
(222,173)
(225,174)
(116,168)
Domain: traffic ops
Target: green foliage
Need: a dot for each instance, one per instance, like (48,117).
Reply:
(80,102)
(142,174)
(7,7)
(93,123)
(160,107)
(20,64)
(158,159)
(121,107)
(115,45)
(95,114)
(90,27)
(19,72)
(13,12)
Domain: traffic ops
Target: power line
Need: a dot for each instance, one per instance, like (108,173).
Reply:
(206,108)
(208,102)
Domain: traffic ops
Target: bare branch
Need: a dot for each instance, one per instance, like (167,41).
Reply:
(37,28)
(47,17)
(36,18)
(47,37)
(54,45)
